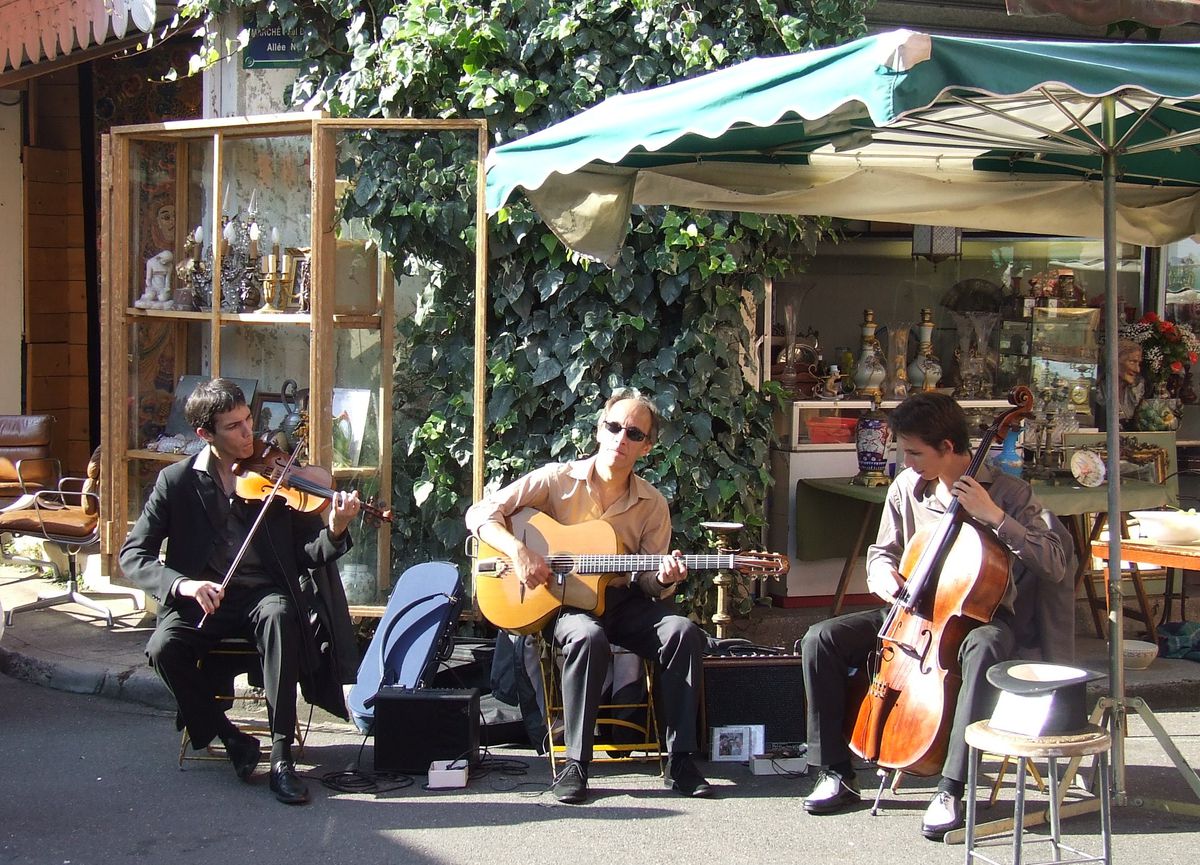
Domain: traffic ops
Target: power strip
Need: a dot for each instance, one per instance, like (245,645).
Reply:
(765,764)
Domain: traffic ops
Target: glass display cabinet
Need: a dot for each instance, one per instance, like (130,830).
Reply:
(226,254)
(1064,351)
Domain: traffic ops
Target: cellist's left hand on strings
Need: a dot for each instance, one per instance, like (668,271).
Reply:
(344,507)
(976,501)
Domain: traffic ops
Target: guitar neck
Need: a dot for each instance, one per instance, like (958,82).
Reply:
(607,564)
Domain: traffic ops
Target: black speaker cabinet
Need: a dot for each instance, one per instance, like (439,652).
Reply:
(415,726)
(766,689)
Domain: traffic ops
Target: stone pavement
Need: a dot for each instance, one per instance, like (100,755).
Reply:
(756,820)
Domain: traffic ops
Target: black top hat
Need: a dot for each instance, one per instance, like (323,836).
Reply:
(1039,699)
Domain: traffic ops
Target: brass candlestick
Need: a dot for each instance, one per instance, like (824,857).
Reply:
(726,535)
(277,275)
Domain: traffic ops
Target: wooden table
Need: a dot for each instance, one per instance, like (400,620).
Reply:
(1150,553)
(1169,556)
(1068,501)
(873,498)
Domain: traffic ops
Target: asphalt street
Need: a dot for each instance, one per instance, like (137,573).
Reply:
(88,779)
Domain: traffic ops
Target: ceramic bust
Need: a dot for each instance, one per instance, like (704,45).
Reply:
(1131,387)
(156,293)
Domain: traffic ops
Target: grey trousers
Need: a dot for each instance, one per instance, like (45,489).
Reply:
(649,628)
(832,650)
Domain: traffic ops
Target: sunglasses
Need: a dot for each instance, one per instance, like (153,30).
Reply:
(631,432)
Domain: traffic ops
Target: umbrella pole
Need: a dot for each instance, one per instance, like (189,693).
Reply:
(1112,314)
(1116,705)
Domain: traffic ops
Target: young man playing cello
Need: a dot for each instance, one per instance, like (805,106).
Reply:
(1035,619)
(605,487)
(194,508)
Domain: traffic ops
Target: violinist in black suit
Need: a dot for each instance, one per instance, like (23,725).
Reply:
(276,598)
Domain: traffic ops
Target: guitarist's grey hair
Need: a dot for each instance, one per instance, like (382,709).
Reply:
(639,398)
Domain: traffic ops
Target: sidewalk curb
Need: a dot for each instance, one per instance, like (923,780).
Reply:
(82,677)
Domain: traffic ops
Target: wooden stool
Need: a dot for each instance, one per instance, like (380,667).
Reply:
(1091,741)
(237,656)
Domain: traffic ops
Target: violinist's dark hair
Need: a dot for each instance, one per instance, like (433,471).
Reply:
(211,399)
(933,418)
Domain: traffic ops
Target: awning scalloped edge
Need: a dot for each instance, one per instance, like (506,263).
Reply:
(36,31)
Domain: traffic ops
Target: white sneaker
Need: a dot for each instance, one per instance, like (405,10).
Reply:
(944,813)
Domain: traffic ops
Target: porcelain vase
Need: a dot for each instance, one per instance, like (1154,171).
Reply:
(872,434)
(359,582)
(869,371)
(1010,460)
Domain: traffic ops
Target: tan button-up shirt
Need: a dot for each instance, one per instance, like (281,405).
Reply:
(565,492)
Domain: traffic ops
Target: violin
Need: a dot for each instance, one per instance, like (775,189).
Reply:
(305,488)
(955,576)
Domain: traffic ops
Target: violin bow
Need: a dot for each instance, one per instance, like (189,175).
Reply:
(237,560)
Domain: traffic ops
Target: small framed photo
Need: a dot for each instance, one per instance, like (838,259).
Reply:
(269,412)
(731,744)
(758,735)
(350,408)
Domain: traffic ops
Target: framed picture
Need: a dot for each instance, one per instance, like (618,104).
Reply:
(758,736)
(731,744)
(268,411)
(177,420)
(301,297)
(350,408)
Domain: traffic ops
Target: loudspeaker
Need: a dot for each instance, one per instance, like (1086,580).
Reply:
(415,726)
(761,689)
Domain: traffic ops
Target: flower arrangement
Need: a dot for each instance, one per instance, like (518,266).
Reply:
(1167,347)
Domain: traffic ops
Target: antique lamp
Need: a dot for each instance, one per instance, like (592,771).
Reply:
(936,242)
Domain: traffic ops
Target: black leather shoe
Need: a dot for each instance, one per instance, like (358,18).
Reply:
(286,784)
(683,777)
(244,753)
(571,787)
(831,794)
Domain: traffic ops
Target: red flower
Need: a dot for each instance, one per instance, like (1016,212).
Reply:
(1193,357)
(1150,317)
(1176,366)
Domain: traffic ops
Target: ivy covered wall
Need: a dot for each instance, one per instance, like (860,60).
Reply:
(668,318)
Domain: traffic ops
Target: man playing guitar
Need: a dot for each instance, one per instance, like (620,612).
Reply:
(634,615)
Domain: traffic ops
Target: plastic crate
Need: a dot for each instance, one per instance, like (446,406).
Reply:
(830,430)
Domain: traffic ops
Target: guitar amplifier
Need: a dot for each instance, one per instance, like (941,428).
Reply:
(415,726)
(756,689)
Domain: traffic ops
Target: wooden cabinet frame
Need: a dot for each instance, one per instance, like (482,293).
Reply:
(323,322)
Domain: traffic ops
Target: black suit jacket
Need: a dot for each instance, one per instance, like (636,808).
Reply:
(296,549)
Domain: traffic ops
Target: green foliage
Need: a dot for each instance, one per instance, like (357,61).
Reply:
(667,318)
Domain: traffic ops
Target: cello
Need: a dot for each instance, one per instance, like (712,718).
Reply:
(955,574)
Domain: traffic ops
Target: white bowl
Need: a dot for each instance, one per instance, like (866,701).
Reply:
(1138,654)
(1169,527)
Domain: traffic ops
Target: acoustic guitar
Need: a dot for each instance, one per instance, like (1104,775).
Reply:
(581,575)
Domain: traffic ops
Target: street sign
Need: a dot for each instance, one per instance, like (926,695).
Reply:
(271,48)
